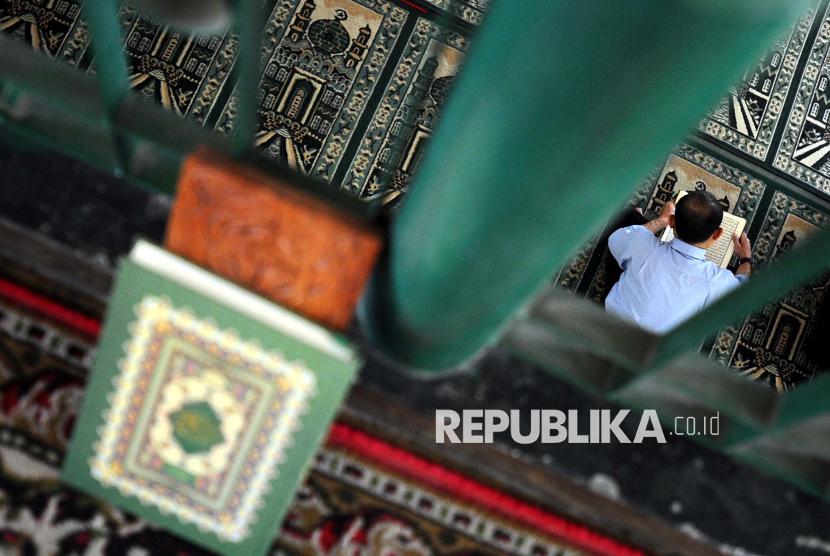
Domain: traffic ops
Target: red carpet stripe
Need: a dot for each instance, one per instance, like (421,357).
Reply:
(460,487)
(385,455)
(414,6)
(49,309)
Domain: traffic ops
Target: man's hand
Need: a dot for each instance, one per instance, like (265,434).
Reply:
(668,210)
(661,222)
(743,249)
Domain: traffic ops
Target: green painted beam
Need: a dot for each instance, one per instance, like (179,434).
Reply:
(559,112)
(48,102)
(765,285)
(62,84)
(798,409)
(107,45)
(796,446)
(249,24)
(580,342)
(111,66)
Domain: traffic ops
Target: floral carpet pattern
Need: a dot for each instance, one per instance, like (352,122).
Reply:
(362,497)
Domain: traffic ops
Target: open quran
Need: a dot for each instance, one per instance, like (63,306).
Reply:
(205,405)
(720,252)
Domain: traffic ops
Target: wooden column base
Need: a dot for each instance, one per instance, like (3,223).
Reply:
(272,238)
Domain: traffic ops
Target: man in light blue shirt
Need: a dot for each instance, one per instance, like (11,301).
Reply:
(663,284)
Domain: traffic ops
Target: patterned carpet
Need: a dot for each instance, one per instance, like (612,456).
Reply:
(686,169)
(363,497)
(803,152)
(184,74)
(350,90)
(392,147)
(56,30)
(763,151)
(769,344)
(746,118)
(772,345)
(323,65)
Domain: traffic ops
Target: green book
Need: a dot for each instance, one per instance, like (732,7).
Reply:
(205,405)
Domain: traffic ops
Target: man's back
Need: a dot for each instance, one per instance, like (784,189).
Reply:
(662,284)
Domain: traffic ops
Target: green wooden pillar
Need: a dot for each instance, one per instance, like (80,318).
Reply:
(561,109)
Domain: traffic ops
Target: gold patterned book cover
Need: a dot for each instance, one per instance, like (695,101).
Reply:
(205,404)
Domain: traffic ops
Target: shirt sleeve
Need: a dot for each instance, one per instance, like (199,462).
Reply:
(631,245)
(742,278)
(729,282)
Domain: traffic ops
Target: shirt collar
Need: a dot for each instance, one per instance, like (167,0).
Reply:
(688,250)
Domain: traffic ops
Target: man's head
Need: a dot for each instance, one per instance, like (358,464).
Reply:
(697,218)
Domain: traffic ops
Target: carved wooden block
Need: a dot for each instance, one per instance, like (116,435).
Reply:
(272,238)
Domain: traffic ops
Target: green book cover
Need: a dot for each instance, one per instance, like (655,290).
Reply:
(205,405)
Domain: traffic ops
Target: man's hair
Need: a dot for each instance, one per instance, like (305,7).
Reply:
(697,216)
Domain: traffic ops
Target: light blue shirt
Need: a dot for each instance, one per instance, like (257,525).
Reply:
(663,284)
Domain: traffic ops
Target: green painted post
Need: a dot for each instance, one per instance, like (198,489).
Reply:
(249,26)
(803,264)
(110,61)
(561,109)
(111,67)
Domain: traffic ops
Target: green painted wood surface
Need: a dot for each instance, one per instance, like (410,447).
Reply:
(561,109)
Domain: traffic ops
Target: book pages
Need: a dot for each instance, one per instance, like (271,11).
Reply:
(720,252)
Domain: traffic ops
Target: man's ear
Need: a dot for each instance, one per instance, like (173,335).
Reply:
(717,234)
(671,221)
